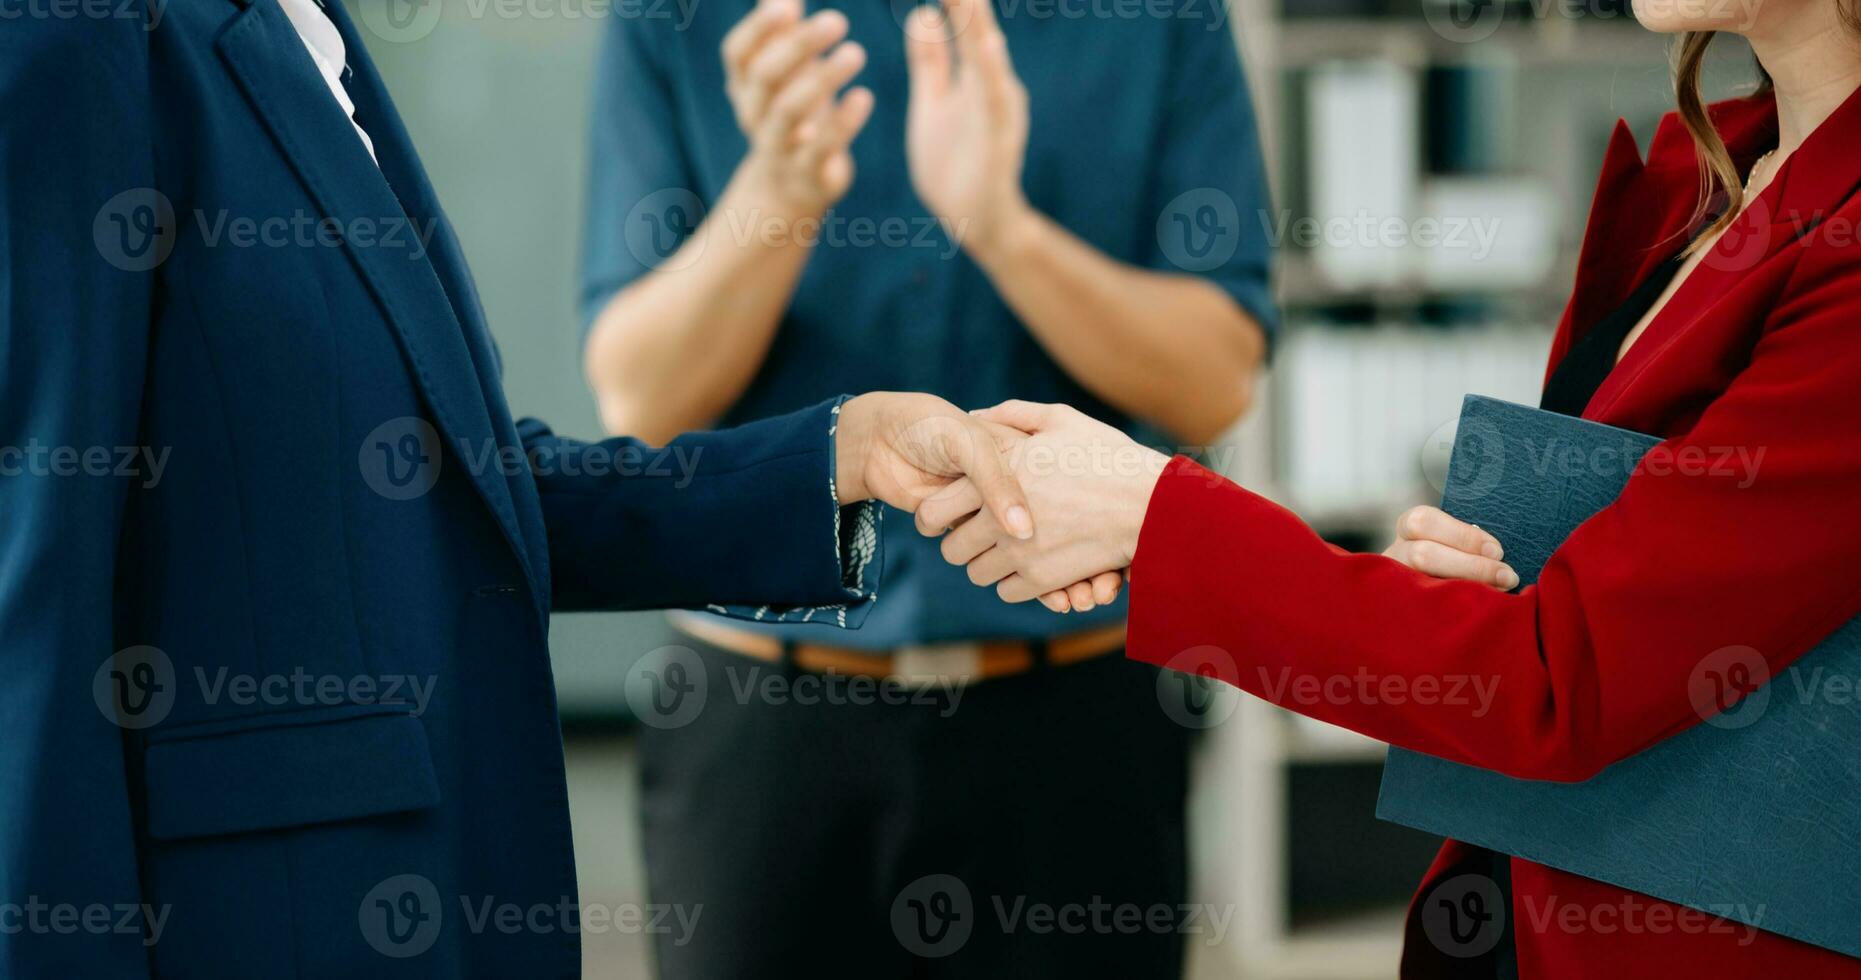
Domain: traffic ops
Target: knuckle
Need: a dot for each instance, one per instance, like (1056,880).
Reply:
(1426,554)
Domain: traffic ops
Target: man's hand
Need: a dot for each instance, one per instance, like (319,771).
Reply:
(902,447)
(1089,485)
(966,127)
(782,79)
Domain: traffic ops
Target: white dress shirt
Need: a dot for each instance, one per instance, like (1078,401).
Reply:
(325,45)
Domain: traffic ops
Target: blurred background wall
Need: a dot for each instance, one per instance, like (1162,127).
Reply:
(1486,117)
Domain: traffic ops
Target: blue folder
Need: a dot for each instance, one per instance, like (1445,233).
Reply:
(1755,817)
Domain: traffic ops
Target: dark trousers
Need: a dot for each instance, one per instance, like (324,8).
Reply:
(1026,827)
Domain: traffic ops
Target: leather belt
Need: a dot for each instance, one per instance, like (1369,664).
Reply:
(919,666)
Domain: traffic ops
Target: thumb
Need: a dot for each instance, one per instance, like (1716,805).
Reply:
(1002,495)
(1029,417)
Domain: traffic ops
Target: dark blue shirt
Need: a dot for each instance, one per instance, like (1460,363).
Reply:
(1142,144)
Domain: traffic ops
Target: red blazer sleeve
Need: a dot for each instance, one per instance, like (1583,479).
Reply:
(1593,662)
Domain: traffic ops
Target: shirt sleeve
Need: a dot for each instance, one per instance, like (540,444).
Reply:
(1209,190)
(643,198)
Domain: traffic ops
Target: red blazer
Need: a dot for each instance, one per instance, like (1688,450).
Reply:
(1759,351)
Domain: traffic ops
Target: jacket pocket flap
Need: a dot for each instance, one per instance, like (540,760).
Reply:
(270,778)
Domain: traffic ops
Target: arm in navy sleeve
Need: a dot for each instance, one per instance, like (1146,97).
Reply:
(743,521)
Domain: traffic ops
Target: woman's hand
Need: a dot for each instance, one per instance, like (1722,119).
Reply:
(1090,486)
(1431,542)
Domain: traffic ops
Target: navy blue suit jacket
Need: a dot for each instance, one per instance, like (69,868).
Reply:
(276,563)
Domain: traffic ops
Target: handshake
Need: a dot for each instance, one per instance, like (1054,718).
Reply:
(1039,501)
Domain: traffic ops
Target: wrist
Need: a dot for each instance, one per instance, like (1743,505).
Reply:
(756,196)
(1009,231)
(852,448)
(1138,492)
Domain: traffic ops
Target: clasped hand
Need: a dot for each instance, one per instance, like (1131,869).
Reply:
(1088,486)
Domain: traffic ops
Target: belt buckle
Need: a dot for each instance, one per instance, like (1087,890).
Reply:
(937,665)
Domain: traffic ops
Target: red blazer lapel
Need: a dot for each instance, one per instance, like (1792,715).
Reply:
(1809,187)
(1636,208)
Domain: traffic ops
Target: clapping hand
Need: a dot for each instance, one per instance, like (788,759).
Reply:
(782,73)
(1088,485)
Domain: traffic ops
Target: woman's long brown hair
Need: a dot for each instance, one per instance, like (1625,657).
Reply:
(1718,172)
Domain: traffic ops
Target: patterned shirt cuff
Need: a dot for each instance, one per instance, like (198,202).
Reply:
(856,538)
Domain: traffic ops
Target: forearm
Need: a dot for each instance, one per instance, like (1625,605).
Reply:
(743,516)
(1171,349)
(674,349)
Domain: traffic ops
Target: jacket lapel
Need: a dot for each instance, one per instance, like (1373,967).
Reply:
(264,53)
(1810,185)
(400,164)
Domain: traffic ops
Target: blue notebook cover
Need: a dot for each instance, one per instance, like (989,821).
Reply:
(1754,816)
